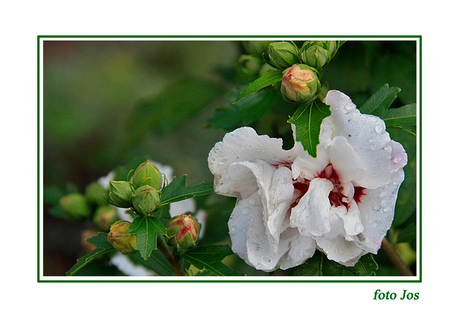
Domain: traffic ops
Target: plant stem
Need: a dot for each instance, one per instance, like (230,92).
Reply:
(395,258)
(178,270)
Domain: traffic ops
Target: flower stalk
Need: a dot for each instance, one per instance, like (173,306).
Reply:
(163,248)
(395,258)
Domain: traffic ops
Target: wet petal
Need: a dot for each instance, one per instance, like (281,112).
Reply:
(301,248)
(365,133)
(377,208)
(339,249)
(311,214)
(243,144)
(239,221)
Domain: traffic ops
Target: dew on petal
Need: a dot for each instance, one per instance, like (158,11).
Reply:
(379,129)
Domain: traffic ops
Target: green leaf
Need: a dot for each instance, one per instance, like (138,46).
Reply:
(177,190)
(401,116)
(103,246)
(307,120)
(210,257)
(166,111)
(156,262)
(379,103)
(146,229)
(319,265)
(269,77)
(243,113)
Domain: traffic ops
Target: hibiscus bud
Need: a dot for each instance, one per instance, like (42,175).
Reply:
(283,54)
(75,207)
(120,239)
(300,83)
(316,56)
(146,199)
(120,193)
(183,231)
(104,216)
(95,194)
(148,174)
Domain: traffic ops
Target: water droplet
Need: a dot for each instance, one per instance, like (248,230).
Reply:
(373,147)
(379,129)
(359,227)
(386,209)
(382,194)
(349,106)
(396,159)
(245,211)
(266,259)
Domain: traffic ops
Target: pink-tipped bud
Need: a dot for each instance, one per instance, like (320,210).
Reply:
(183,231)
(300,83)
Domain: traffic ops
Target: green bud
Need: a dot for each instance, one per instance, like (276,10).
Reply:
(75,207)
(316,56)
(146,199)
(120,193)
(104,216)
(120,239)
(300,83)
(96,194)
(283,54)
(183,231)
(148,174)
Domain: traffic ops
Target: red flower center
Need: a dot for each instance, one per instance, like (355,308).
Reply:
(336,196)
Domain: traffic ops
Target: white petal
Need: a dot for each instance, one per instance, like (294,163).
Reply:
(352,220)
(301,248)
(339,249)
(260,253)
(309,167)
(345,160)
(377,208)
(275,190)
(311,214)
(398,155)
(239,221)
(365,133)
(127,267)
(243,144)
(280,199)
(179,207)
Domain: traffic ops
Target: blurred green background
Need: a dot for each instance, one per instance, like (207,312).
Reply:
(98,112)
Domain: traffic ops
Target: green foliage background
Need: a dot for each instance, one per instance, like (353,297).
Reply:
(106,102)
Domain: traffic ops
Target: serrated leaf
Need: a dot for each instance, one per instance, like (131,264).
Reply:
(210,257)
(401,116)
(379,103)
(177,190)
(269,77)
(319,265)
(307,120)
(146,229)
(103,246)
(156,262)
(243,113)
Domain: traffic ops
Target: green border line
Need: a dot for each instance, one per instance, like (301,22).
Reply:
(417,38)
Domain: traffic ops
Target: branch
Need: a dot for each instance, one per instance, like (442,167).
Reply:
(178,270)
(395,258)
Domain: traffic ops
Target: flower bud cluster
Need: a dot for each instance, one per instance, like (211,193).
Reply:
(318,53)
(91,205)
(301,67)
(142,194)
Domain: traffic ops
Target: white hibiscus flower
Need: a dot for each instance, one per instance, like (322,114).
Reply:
(290,204)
